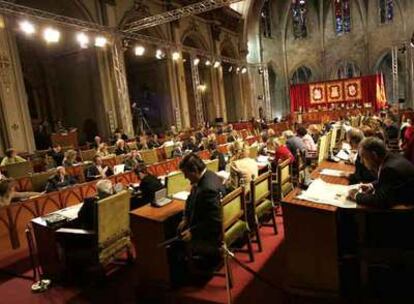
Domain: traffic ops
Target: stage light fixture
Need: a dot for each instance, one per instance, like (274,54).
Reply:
(244,70)
(412,41)
(208,63)
(230,69)
(159,54)
(237,70)
(27,27)
(51,35)
(176,55)
(100,41)
(139,50)
(83,40)
(217,64)
(196,61)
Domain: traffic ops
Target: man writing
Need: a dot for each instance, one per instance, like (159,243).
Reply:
(395,177)
(201,227)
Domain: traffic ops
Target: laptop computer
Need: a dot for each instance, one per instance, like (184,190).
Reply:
(118,169)
(160,198)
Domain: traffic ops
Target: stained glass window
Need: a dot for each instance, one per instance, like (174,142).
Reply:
(342,9)
(266,21)
(386,10)
(299,14)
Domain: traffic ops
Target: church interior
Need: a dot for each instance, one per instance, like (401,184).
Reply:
(206,151)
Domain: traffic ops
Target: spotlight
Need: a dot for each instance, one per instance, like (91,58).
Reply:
(217,64)
(176,55)
(412,41)
(51,35)
(100,41)
(208,62)
(27,27)
(159,54)
(83,40)
(202,87)
(244,70)
(230,69)
(196,61)
(260,70)
(237,70)
(139,50)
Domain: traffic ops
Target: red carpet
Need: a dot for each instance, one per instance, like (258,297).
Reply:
(122,285)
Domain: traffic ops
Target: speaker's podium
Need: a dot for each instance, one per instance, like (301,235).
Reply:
(66,139)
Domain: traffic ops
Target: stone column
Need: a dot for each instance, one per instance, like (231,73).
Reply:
(17,131)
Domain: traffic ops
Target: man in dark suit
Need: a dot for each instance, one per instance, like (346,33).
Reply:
(395,177)
(149,185)
(59,180)
(201,226)
(57,155)
(97,170)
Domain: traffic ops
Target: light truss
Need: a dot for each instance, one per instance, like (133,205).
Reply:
(178,13)
(13,9)
(10,8)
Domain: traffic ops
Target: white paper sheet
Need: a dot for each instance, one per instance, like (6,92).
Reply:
(328,194)
(331,172)
(182,195)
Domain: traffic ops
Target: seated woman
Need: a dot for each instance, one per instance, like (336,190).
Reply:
(97,170)
(11,158)
(280,152)
(70,158)
(9,194)
(60,180)
(242,168)
(103,150)
(310,145)
(121,147)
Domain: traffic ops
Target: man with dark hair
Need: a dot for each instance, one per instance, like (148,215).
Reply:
(149,185)
(57,154)
(201,226)
(395,176)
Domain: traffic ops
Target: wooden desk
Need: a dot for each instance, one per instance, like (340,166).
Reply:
(312,236)
(150,226)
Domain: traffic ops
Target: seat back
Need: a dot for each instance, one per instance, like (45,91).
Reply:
(132,145)
(321,148)
(111,149)
(113,224)
(284,178)
(334,138)
(253,151)
(233,207)
(149,156)
(176,182)
(212,165)
(19,169)
(328,144)
(39,180)
(260,188)
(87,155)
(168,151)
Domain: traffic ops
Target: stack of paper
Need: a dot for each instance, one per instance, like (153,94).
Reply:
(328,194)
(182,195)
(330,172)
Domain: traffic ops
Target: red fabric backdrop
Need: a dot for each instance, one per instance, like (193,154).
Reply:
(372,87)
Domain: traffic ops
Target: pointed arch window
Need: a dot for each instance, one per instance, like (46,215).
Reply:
(347,70)
(386,9)
(302,75)
(342,10)
(299,16)
(266,20)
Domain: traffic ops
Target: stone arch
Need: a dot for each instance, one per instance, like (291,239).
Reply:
(347,66)
(228,49)
(193,38)
(305,69)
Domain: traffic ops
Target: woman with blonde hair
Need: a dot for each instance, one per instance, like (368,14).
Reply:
(103,150)
(70,158)
(242,168)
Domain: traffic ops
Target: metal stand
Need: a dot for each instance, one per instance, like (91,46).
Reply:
(142,124)
(39,285)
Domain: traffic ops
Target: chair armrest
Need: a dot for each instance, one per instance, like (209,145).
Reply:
(74,231)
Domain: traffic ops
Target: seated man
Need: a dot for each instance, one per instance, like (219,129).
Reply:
(395,182)
(86,214)
(149,185)
(60,180)
(57,155)
(97,170)
(201,226)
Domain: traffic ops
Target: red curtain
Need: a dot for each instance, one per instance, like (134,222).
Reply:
(299,97)
(372,88)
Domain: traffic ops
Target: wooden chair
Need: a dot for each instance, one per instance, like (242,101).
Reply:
(321,149)
(168,151)
(284,182)
(261,204)
(299,168)
(87,155)
(176,182)
(253,151)
(132,145)
(328,145)
(235,225)
(212,165)
(39,180)
(149,156)
(110,237)
(19,169)
(111,149)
